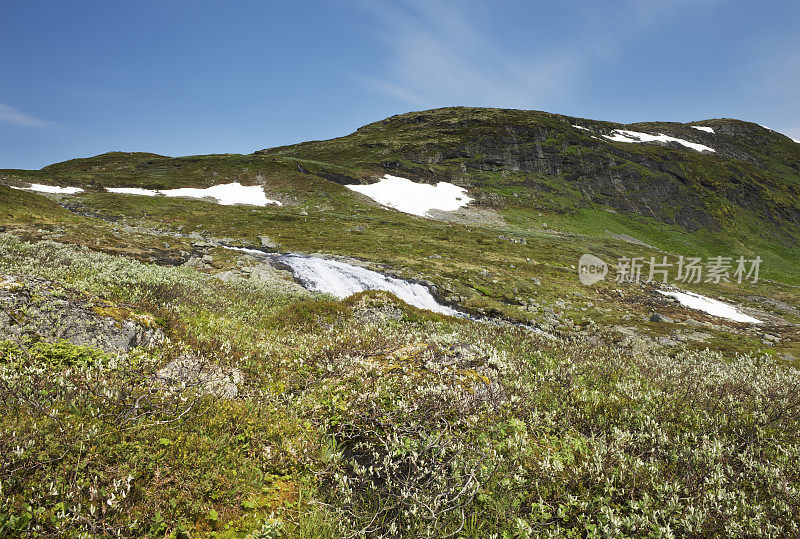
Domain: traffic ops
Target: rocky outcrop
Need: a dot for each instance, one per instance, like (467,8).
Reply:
(34,309)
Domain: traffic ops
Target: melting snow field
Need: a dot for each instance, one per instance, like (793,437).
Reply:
(416,198)
(711,306)
(703,128)
(41,188)
(621,135)
(342,280)
(225,194)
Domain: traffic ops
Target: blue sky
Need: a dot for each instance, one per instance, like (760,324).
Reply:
(80,78)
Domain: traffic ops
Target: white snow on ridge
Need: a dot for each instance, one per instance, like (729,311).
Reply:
(225,194)
(778,132)
(54,189)
(416,198)
(342,280)
(581,127)
(710,306)
(703,128)
(622,135)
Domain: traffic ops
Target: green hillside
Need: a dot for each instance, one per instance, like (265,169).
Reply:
(557,408)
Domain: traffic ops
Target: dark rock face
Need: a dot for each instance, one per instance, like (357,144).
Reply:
(543,157)
(340,178)
(657,185)
(38,309)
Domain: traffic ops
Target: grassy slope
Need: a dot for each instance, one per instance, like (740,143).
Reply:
(482,270)
(486,273)
(28,208)
(459,426)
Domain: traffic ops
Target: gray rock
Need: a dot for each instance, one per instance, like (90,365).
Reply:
(194,263)
(32,308)
(268,243)
(697,336)
(210,379)
(658,317)
(227,276)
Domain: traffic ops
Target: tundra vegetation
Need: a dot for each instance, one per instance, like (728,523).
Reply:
(350,423)
(255,408)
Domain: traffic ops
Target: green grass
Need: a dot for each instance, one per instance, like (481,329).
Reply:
(22,207)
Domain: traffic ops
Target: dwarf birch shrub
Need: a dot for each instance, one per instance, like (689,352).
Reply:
(592,443)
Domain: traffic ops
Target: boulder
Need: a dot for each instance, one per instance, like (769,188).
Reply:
(209,378)
(268,243)
(658,317)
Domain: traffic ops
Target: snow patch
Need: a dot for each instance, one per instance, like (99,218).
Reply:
(416,198)
(54,189)
(225,194)
(581,127)
(703,128)
(342,280)
(711,306)
(622,135)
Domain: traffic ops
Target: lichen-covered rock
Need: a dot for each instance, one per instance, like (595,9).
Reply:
(211,379)
(38,309)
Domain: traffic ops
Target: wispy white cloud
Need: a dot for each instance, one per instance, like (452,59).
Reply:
(12,116)
(441,52)
(438,56)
